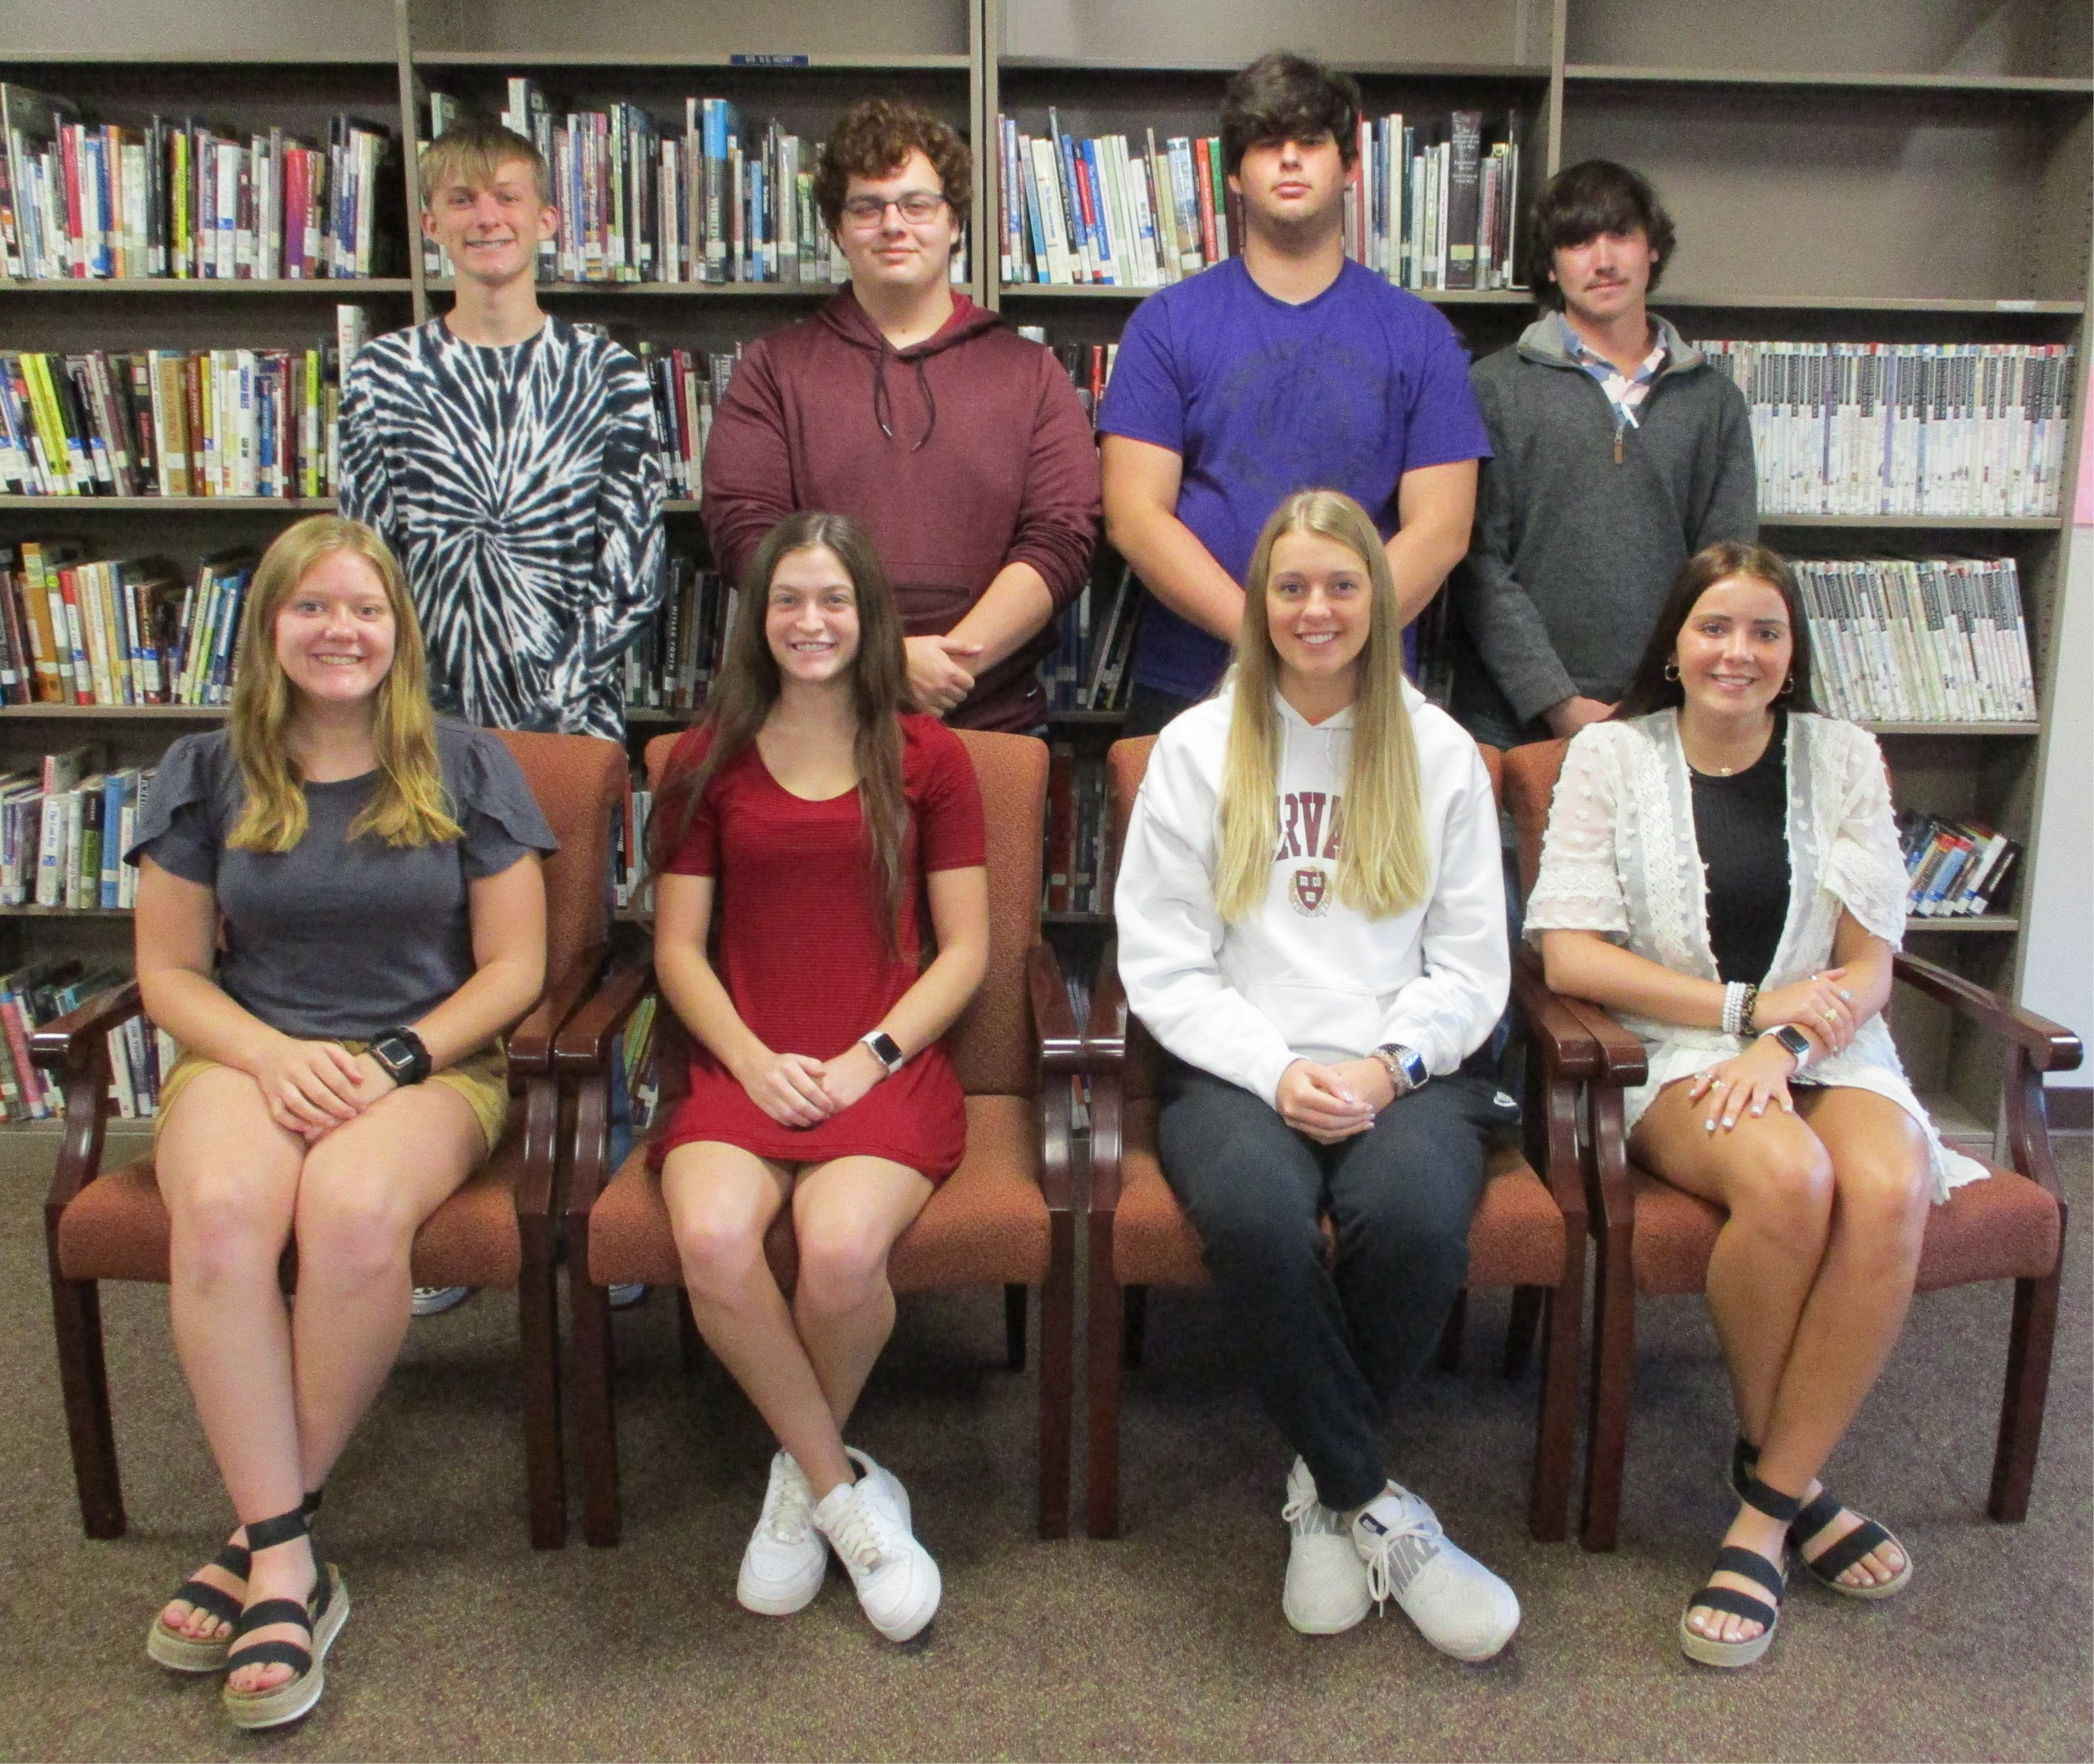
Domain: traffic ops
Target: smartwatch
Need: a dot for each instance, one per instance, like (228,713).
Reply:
(1406,1066)
(401,1052)
(885,1049)
(1800,1046)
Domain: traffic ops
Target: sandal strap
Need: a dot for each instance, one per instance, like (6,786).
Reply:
(311,1504)
(1756,1493)
(1734,1603)
(234,1559)
(265,1534)
(1836,1559)
(200,1595)
(1733,1558)
(1744,1460)
(289,1653)
(264,1612)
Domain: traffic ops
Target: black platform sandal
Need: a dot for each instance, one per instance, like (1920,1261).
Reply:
(321,1617)
(1734,1558)
(180,1652)
(1836,1559)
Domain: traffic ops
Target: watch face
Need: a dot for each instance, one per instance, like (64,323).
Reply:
(394,1055)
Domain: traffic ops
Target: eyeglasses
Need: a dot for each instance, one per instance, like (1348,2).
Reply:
(917,206)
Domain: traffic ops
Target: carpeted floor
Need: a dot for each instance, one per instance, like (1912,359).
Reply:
(1168,1644)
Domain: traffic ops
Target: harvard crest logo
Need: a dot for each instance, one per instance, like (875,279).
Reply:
(1310,890)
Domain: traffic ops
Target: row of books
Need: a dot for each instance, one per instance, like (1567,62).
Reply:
(221,422)
(131,631)
(628,844)
(1090,670)
(1918,640)
(670,667)
(64,829)
(1954,869)
(720,203)
(139,1053)
(687,387)
(1076,879)
(1434,205)
(180,198)
(1973,429)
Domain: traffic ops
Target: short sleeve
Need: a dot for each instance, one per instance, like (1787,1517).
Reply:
(178,825)
(697,849)
(1443,424)
(501,819)
(1864,870)
(1143,400)
(1579,886)
(950,831)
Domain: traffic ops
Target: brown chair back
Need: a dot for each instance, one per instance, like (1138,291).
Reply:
(1530,772)
(992,1044)
(577,779)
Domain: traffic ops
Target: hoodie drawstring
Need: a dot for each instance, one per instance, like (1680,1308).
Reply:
(882,406)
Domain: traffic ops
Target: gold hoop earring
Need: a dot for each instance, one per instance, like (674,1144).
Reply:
(1672,671)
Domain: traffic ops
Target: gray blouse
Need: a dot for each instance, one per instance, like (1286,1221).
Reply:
(333,939)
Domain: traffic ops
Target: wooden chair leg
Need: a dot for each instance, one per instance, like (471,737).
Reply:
(84,1378)
(2028,1388)
(1106,1320)
(689,1340)
(595,1418)
(538,1332)
(1133,1325)
(1520,1328)
(1556,1418)
(1016,1297)
(1450,1335)
(1057,1350)
(1614,1372)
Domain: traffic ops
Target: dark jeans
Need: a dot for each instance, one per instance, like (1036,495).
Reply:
(1329,1347)
(1148,708)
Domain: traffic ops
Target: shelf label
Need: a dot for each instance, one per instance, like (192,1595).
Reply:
(767,61)
(2013,305)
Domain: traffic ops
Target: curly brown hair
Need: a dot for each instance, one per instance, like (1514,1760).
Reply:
(871,140)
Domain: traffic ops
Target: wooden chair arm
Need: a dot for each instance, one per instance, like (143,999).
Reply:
(1569,1047)
(1622,1061)
(60,1044)
(1060,1041)
(1106,1033)
(582,1046)
(2050,1046)
(531,1041)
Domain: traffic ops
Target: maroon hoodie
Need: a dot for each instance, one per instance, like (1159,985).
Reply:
(960,454)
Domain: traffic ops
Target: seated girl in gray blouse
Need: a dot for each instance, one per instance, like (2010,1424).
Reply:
(376,872)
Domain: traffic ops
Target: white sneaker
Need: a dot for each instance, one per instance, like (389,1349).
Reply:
(1327,1581)
(1459,1605)
(898,1584)
(782,1569)
(434,1300)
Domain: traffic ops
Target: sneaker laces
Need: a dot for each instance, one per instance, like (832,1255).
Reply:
(1417,1526)
(788,1522)
(1308,1517)
(856,1537)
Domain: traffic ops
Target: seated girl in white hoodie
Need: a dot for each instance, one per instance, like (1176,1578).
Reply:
(1311,916)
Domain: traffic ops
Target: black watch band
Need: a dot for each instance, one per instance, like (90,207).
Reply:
(401,1053)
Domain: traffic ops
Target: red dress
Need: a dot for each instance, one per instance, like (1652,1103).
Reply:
(801,953)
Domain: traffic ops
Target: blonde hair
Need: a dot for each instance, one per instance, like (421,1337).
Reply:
(1385,866)
(409,806)
(475,154)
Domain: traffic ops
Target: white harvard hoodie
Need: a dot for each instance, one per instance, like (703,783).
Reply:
(1306,977)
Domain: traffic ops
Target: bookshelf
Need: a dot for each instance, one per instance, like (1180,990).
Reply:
(1915,171)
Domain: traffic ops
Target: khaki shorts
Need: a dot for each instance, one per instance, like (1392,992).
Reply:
(482,1079)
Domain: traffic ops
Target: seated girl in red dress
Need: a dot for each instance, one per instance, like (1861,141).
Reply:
(816,817)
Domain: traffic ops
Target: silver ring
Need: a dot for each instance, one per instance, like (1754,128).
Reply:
(1846,996)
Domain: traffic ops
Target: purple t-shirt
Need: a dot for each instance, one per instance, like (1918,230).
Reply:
(1346,391)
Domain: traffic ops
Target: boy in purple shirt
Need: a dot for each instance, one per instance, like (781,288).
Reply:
(1290,368)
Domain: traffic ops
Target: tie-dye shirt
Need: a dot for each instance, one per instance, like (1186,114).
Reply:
(521,489)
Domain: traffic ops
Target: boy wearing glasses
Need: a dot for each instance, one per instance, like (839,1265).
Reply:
(961,447)
(1289,367)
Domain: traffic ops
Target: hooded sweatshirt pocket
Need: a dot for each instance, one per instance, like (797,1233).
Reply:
(1322,1020)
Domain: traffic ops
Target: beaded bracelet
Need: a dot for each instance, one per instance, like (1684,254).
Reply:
(1734,1005)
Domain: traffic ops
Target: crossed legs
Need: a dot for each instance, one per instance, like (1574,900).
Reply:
(803,1363)
(1809,1283)
(280,1389)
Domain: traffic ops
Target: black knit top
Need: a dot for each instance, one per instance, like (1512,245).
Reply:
(1741,828)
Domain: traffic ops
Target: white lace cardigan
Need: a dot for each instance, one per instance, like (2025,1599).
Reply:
(1621,859)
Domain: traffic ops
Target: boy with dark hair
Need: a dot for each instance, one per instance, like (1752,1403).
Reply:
(1617,452)
(1289,367)
(959,446)
(510,461)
